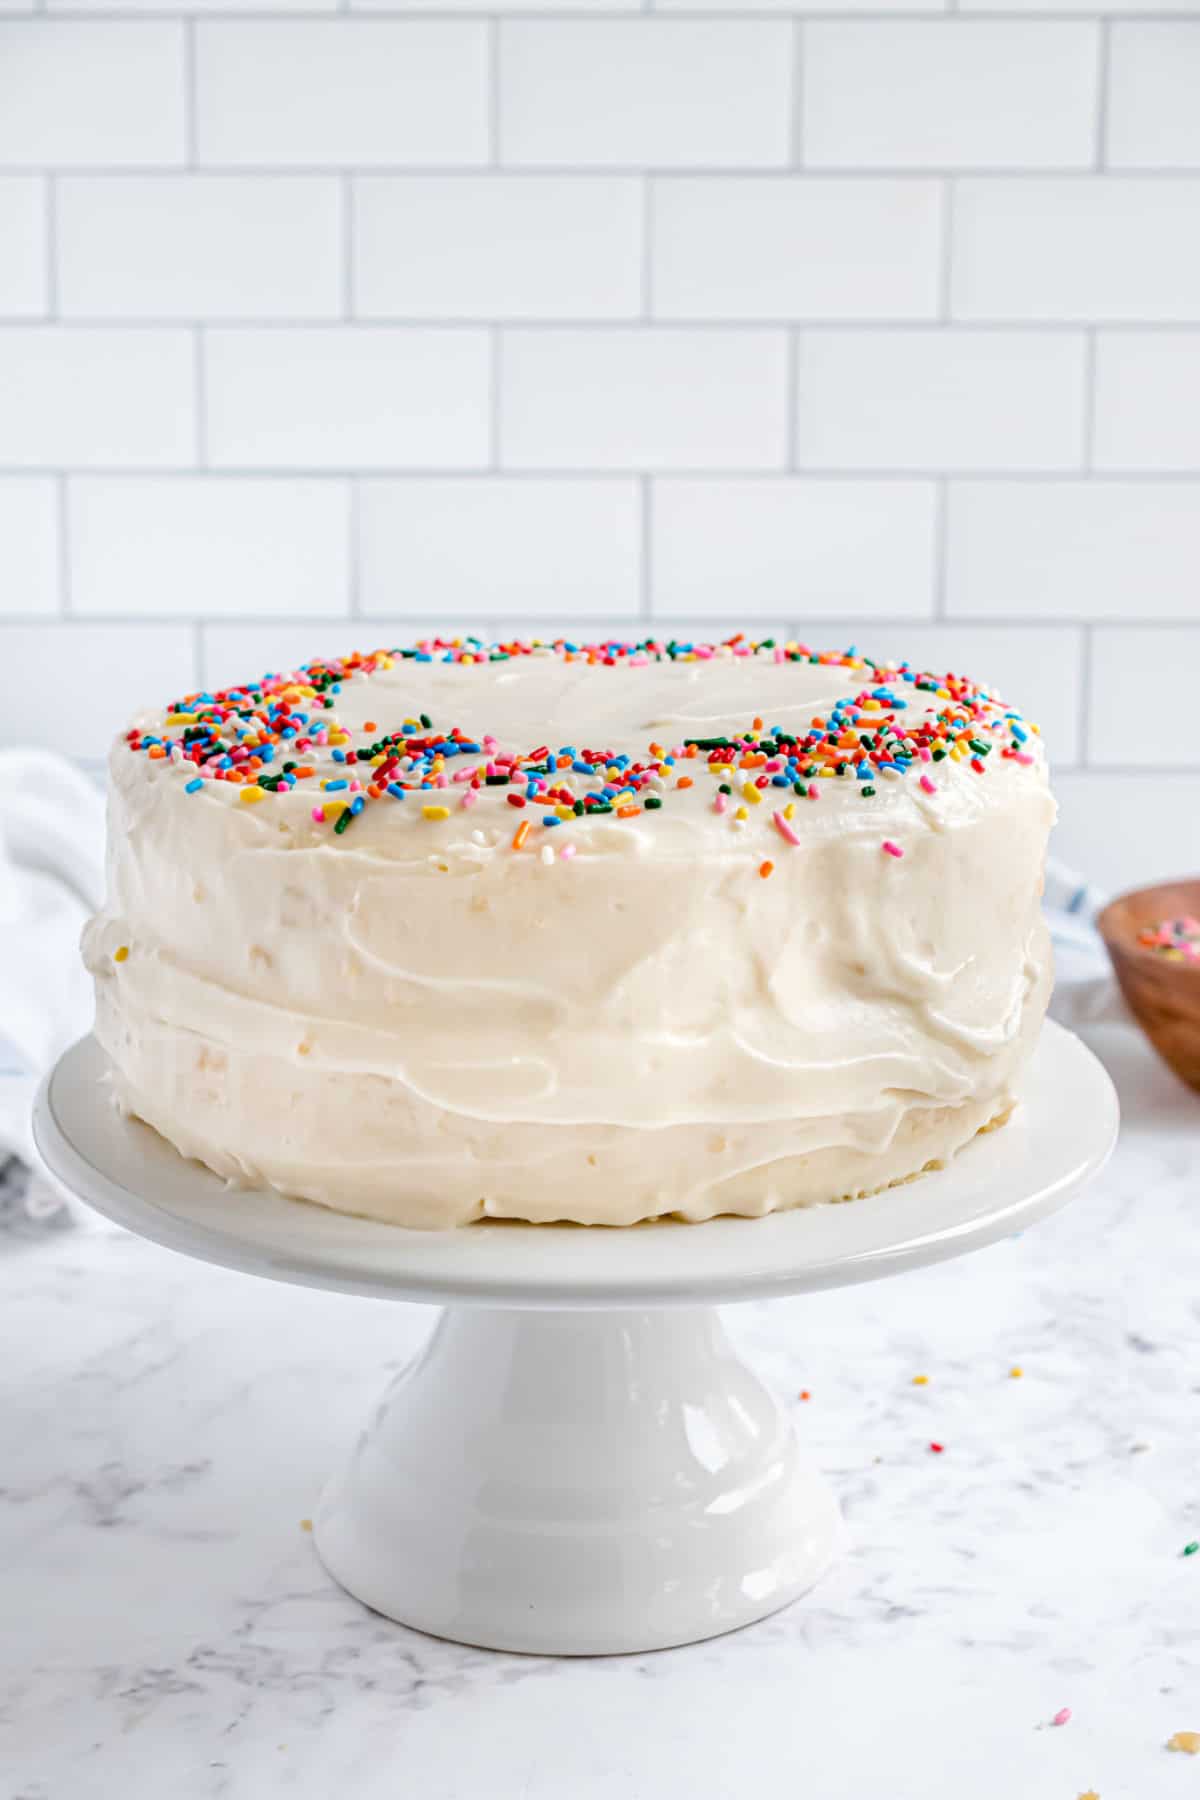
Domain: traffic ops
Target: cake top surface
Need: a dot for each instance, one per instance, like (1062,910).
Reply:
(564,732)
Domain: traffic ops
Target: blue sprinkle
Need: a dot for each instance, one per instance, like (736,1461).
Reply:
(551,819)
(395,790)
(331,787)
(1022,737)
(357,804)
(193,787)
(339,756)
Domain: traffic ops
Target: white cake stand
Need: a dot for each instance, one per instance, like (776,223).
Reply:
(578,1462)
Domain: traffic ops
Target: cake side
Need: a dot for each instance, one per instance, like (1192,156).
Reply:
(610,935)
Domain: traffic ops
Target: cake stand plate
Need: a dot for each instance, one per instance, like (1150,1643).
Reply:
(578,1462)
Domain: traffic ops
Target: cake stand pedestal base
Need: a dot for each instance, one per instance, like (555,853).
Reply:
(578,1462)
(577,1483)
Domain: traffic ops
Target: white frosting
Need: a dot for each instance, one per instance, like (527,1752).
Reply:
(415,1021)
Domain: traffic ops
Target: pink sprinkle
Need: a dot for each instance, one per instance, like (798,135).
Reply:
(470,796)
(1061,1717)
(930,787)
(779,655)
(720,803)
(784,829)
(318,813)
(813,792)
(1022,757)
(442,781)
(567,852)
(924,754)
(892,849)
(356,787)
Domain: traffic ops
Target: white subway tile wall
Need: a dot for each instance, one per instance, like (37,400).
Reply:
(872,320)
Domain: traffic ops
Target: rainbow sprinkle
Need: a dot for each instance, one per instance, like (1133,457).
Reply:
(267,738)
(1176,940)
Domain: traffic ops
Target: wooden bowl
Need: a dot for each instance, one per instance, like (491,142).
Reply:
(1163,996)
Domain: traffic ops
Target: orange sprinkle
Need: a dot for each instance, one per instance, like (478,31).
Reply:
(157,752)
(627,812)
(758,724)
(521,833)
(374,789)
(765,868)
(303,772)
(370,725)
(685,781)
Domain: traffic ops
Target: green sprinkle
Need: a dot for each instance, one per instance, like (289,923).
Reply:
(651,802)
(1191,1549)
(426,721)
(868,793)
(343,820)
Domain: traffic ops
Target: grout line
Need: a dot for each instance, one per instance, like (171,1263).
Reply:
(198,653)
(495,367)
(354,548)
(419,167)
(63,540)
(649,223)
(1103,77)
(51,248)
(767,472)
(646,572)
(349,223)
(191,152)
(795,352)
(604,326)
(941,542)
(199,397)
(797,80)
(1048,14)
(1085,697)
(1089,399)
(493,96)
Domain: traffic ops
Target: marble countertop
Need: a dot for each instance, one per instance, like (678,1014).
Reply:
(167,1633)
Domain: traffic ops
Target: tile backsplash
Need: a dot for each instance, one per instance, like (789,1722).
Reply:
(880,323)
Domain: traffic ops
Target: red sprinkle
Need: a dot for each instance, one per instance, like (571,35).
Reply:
(515,799)
(937,1448)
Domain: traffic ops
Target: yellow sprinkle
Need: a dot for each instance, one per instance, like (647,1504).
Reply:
(249,795)
(1016,1372)
(1187,1741)
(751,793)
(333,807)
(789,809)
(436,812)
(741,813)
(565,812)
(306,1524)
(121,954)
(180,718)
(920,1380)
